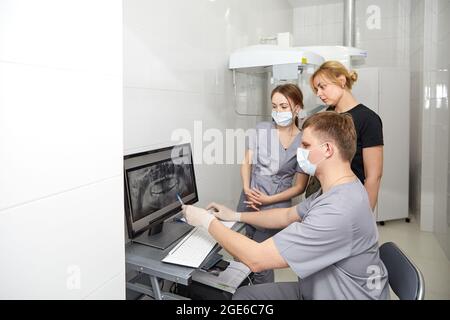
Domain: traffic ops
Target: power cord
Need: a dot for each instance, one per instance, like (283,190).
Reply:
(174,288)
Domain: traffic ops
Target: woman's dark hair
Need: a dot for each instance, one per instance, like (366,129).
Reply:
(292,93)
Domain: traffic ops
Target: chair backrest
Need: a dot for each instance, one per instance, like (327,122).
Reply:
(404,277)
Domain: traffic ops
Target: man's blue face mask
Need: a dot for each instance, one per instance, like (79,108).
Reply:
(304,163)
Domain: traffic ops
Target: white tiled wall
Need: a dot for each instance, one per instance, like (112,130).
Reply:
(388,45)
(61,192)
(437,77)
(430,44)
(175,73)
(433,81)
(316,24)
(322,24)
(45,243)
(56,118)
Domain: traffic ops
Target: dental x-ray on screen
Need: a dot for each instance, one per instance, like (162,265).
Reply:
(156,186)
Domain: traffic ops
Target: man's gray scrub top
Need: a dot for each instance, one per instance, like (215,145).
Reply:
(334,250)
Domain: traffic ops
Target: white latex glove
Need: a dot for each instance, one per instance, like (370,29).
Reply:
(197,216)
(224,213)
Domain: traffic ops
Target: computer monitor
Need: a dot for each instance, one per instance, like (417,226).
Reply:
(153,179)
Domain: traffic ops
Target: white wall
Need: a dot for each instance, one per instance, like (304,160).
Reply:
(321,23)
(387,43)
(175,72)
(318,23)
(435,130)
(61,193)
(429,102)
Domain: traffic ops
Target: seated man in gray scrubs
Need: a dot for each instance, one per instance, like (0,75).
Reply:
(330,240)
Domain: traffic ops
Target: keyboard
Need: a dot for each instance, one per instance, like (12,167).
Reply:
(193,248)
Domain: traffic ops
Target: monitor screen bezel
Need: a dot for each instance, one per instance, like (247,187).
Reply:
(135,228)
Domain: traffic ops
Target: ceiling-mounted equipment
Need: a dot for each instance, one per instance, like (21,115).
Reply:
(262,56)
(258,69)
(348,56)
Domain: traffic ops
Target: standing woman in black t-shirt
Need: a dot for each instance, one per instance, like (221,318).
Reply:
(332,83)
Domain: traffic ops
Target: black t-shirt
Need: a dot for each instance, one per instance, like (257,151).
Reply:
(369,132)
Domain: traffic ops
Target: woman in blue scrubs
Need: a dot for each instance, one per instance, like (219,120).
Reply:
(270,173)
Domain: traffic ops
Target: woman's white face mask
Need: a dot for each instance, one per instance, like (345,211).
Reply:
(282,119)
(285,118)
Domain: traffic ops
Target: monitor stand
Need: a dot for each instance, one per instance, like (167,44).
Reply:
(163,235)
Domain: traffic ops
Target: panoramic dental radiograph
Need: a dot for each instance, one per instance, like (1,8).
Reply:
(157,186)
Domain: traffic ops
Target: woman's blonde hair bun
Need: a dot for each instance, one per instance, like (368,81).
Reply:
(353,76)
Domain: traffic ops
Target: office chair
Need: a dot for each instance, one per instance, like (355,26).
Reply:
(404,276)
